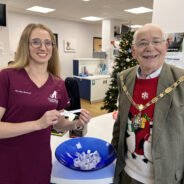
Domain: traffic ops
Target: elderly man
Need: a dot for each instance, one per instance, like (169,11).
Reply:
(149,131)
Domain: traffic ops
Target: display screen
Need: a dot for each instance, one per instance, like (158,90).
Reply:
(2,14)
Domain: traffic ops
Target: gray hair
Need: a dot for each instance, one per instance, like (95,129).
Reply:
(150,25)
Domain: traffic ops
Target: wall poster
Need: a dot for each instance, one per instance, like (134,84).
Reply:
(69,46)
(175,52)
(97,44)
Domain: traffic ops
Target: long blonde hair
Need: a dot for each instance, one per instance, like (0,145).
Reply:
(22,55)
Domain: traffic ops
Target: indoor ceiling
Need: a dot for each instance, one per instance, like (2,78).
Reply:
(76,9)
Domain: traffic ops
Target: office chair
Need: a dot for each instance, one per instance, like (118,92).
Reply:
(73,93)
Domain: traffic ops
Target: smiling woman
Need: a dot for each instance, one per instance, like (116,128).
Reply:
(30,106)
(41,46)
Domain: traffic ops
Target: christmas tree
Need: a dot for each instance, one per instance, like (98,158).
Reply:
(123,61)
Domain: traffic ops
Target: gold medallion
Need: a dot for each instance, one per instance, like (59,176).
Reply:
(140,107)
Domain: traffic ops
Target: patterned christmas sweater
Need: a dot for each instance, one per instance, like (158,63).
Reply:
(139,163)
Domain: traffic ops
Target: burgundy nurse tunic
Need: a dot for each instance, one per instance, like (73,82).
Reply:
(26,159)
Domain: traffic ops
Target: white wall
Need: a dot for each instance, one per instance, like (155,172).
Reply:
(169,15)
(4,47)
(81,33)
(107,37)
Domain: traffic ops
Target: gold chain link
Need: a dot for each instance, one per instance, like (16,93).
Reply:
(141,107)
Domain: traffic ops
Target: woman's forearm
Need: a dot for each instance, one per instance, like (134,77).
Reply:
(8,130)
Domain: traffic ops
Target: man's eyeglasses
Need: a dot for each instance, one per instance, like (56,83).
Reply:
(145,43)
(37,43)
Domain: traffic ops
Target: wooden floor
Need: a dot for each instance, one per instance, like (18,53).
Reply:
(94,108)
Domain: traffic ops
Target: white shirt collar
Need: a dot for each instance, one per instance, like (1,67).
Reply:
(150,76)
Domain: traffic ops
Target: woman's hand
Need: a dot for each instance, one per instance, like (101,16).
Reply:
(48,119)
(84,118)
(53,118)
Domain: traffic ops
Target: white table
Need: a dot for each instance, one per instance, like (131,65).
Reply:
(99,127)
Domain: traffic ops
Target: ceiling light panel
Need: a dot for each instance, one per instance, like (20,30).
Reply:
(91,18)
(136,26)
(40,9)
(139,10)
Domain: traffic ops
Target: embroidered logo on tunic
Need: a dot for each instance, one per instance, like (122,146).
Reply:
(53,97)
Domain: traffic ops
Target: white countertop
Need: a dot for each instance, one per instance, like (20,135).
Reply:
(89,59)
(99,127)
(93,77)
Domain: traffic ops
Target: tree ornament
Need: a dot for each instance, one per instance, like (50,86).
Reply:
(128,60)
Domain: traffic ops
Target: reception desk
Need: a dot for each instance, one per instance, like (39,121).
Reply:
(99,127)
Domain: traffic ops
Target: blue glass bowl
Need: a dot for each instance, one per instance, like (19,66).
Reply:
(85,153)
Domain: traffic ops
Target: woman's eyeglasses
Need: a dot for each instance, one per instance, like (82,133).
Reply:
(37,43)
